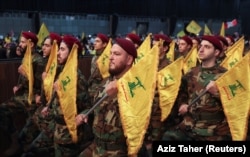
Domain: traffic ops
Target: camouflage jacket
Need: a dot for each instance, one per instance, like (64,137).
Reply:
(95,78)
(107,126)
(38,67)
(61,134)
(205,116)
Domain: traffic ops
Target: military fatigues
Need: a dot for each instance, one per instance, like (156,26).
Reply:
(43,144)
(30,130)
(95,78)
(107,127)
(205,120)
(156,127)
(64,146)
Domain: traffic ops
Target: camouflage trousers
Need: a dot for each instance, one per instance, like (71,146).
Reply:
(42,146)
(15,112)
(66,150)
(29,132)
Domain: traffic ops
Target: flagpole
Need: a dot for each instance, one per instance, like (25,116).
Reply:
(96,104)
(198,97)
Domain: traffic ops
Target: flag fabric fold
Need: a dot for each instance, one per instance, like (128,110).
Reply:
(207,30)
(144,48)
(171,52)
(234,54)
(67,89)
(43,32)
(169,79)
(193,27)
(51,72)
(135,96)
(190,60)
(103,60)
(28,69)
(235,95)
(222,29)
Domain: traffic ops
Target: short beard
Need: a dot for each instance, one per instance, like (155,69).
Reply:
(118,70)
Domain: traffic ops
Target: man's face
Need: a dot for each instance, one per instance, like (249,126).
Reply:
(119,60)
(183,47)
(62,54)
(207,51)
(23,44)
(99,45)
(46,48)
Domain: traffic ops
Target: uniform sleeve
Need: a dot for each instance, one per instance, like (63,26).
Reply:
(83,98)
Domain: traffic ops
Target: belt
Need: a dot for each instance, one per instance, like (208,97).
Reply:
(209,116)
(111,145)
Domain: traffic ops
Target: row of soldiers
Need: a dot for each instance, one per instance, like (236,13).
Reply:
(101,133)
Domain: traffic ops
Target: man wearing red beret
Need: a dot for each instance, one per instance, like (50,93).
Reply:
(43,144)
(63,143)
(224,45)
(19,102)
(95,78)
(157,127)
(107,127)
(184,46)
(203,120)
(134,38)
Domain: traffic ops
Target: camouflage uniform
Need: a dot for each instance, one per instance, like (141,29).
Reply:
(95,78)
(205,120)
(107,127)
(43,144)
(64,146)
(30,130)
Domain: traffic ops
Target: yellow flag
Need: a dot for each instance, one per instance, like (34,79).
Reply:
(234,55)
(169,79)
(171,52)
(28,69)
(222,29)
(67,83)
(51,71)
(239,44)
(234,88)
(193,27)
(144,48)
(43,32)
(190,60)
(103,61)
(207,30)
(181,33)
(135,95)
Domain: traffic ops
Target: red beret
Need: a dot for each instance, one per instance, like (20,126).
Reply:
(103,37)
(231,38)
(187,39)
(70,40)
(197,39)
(31,36)
(215,41)
(222,39)
(57,37)
(127,45)
(134,38)
(157,37)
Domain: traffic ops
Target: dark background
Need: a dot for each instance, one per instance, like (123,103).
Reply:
(223,10)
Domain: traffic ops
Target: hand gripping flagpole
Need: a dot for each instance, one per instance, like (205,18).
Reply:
(96,104)
(198,97)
